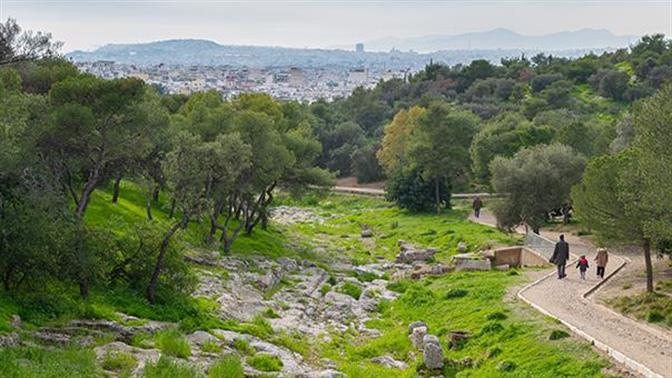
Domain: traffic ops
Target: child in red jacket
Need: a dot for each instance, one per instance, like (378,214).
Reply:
(582,265)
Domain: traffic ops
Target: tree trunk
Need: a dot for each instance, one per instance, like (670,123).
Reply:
(151,288)
(115,192)
(437,195)
(173,203)
(85,197)
(149,208)
(156,192)
(84,289)
(649,267)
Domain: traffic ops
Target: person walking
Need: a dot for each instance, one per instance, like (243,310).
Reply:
(560,256)
(582,265)
(477,204)
(602,259)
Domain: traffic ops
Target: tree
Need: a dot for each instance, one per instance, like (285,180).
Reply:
(609,204)
(17,45)
(439,147)
(536,181)
(504,136)
(409,190)
(95,124)
(392,154)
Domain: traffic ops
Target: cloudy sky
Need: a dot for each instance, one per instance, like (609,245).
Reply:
(86,24)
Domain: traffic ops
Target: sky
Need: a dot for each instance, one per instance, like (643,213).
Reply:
(87,24)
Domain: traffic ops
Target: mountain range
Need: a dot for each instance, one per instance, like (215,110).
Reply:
(389,53)
(506,39)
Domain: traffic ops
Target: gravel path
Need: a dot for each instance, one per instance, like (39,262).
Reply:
(623,337)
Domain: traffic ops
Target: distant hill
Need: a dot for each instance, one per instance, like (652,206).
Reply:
(506,39)
(492,46)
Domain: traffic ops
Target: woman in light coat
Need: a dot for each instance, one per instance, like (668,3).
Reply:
(601,261)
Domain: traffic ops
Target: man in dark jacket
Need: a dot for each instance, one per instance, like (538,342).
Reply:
(560,256)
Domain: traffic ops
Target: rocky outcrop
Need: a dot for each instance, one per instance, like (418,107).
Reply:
(468,261)
(432,352)
(142,356)
(290,215)
(389,362)
(410,254)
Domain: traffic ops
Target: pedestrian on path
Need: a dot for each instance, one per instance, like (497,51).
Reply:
(477,205)
(582,265)
(560,256)
(602,259)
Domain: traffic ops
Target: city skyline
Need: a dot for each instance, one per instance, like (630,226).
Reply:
(321,24)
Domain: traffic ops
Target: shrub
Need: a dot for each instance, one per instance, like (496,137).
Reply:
(332,281)
(418,296)
(456,293)
(172,343)
(496,316)
(399,286)
(352,290)
(228,367)
(558,334)
(265,362)
(491,328)
(494,352)
(410,191)
(654,316)
(166,367)
(119,361)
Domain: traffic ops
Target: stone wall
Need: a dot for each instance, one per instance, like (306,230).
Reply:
(540,244)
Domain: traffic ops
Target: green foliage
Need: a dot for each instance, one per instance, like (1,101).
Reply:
(173,343)
(325,289)
(558,334)
(227,367)
(409,190)
(271,314)
(351,289)
(265,362)
(456,293)
(243,346)
(211,346)
(537,181)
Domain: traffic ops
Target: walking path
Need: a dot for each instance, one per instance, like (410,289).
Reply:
(642,348)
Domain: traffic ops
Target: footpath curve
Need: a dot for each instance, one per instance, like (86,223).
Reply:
(642,348)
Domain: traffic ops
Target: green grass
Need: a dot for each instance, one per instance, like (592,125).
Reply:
(520,338)
(211,347)
(28,362)
(654,308)
(265,362)
(120,362)
(167,367)
(172,343)
(391,224)
(227,367)
(351,289)
(243,346)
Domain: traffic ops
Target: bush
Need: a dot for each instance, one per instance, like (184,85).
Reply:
(228,367)
(654,317)
(271,314)
(456,293)
(496,316)
(265,362)
(119,361)
(351,289)
(173,343)
(166,367)
(410,191)
(558,334)
(491,328)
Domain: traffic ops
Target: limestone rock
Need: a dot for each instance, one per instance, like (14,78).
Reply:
(457,338)
(468,261)
(417,336)
(331,373)
(367,233)
(461,247)
(201,337)
(15,321)
(416,324)
(143,356)
(389,362)
(11,340)
(432,353)
(410,253)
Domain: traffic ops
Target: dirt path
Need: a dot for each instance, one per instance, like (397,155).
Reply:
(642,348)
